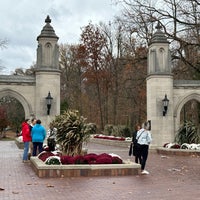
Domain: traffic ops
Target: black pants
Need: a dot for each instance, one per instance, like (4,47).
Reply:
(143,155)
(138,159)
(37,146)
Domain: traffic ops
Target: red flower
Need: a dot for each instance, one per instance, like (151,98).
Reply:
(66,160)
(165,144)
(175,146)
(104,159)
(116,160)
(80,160)
(91,158)
(44,155)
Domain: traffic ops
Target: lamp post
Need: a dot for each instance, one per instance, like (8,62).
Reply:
(165,105)
(48,101)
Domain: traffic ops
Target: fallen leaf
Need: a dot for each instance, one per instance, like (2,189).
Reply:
(14,192)
(50,185)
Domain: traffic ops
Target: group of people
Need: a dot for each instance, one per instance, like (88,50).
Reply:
(143,137)
(32,133)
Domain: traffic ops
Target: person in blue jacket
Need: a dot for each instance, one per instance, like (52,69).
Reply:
(38,134)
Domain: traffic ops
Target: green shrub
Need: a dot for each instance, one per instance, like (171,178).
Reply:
(188,133)
(108,129)
(118,130)
(126,132)
(72,131)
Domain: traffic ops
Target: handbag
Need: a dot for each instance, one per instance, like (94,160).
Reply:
(137,146)
(130,150)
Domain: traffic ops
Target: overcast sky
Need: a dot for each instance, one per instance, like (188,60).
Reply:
(21,21)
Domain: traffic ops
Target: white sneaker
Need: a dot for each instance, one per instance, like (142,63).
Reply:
(144,172)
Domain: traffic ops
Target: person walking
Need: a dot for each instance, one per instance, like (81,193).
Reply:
(144,139)
(26,137)
(134,135)
(38,134)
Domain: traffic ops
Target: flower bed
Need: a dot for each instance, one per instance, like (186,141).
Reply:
(55,158)
(53,164)
(179,150)
(109,137)
(183,146)
(171,146)
(43,170)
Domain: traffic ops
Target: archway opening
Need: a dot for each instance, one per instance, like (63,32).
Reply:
(11,116)
(190,112)
(189,131)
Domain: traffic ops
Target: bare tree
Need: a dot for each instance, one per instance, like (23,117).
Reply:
(95,69)
(180,21)
(113,35)
(127,74)
(71,79)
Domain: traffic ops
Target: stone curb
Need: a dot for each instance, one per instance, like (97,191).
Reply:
(177,152)
(43,170)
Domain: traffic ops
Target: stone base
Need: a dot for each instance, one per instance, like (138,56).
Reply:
(19,144)
(177,152)
(54,171)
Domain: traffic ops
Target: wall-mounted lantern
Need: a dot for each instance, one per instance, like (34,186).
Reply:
(49,101)
(165,105)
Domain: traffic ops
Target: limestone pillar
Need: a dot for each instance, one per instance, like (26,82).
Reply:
(47,74)
(159,84)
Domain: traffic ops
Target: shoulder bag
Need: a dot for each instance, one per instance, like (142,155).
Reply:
(137,146)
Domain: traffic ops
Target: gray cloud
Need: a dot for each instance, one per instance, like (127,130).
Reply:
(22,21)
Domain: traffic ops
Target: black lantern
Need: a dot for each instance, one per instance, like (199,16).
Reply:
(48,101)
(165,105)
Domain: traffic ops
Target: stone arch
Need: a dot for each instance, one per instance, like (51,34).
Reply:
(31,90)
(27,107)
(182,101)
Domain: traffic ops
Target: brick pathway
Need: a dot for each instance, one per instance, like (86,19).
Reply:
(171,177)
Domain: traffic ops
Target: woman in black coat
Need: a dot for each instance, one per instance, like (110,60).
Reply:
(137,157)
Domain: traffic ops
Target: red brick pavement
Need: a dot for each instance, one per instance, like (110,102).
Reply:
(171,177)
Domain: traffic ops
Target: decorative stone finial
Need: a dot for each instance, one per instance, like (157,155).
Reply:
(158,26)
(47,31)
(48,20)
(158,36)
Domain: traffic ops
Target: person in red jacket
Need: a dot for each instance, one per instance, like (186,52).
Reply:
(26,135)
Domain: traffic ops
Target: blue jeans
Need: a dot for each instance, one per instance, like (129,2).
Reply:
(26,148)
(37,146)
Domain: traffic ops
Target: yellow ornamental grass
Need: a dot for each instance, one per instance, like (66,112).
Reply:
(72,131)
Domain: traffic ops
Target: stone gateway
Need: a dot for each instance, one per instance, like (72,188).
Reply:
(160,83)
(31,91)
